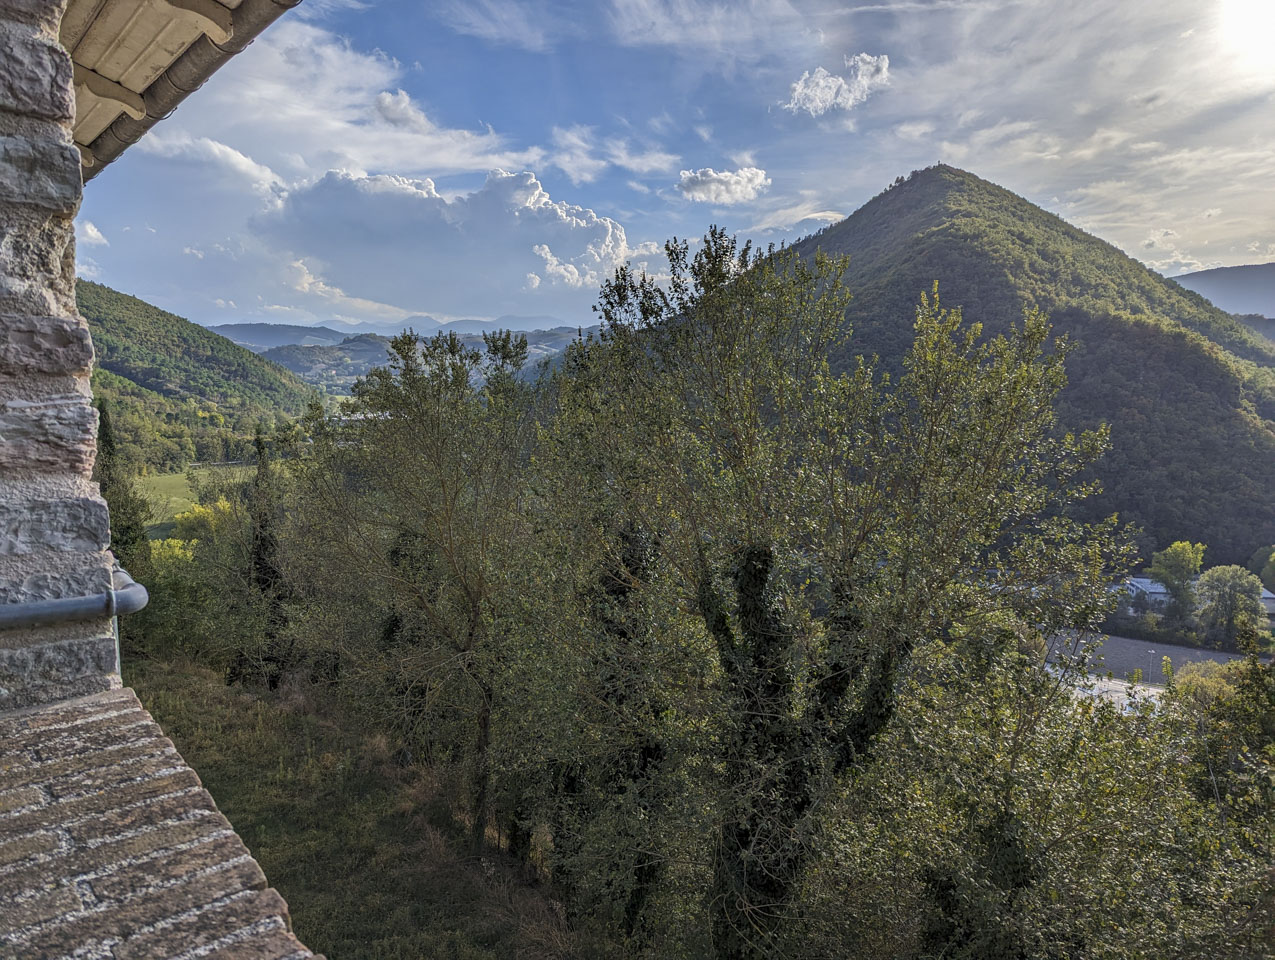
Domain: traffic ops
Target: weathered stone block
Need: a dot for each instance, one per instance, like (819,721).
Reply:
(40,173)
(44,906)
(54,434)
(37,263)
(35,74)
(12,800)
(48,345)
(207,927)
(19,848)
(123,883)
(78,525)
(45,14)
(31,675)
(271,945)
(80,582)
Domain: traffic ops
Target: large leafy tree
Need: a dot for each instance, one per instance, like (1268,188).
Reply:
(821,527)
(1176,567)
(1230,598)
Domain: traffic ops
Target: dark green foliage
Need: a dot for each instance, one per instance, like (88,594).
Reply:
(179,393)
(129,511)
(1188,391)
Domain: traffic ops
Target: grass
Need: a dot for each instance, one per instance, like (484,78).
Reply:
(170,494)
(367,853)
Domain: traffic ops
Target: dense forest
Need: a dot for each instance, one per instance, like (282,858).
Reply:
(1188,390)
(735,652)
(179,393)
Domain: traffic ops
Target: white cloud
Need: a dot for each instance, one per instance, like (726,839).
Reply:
(640,162)
(724,187)
(817,93)
(193,252)
(508,22)
(398,242)
(743,31)
(573,154)
(87,233)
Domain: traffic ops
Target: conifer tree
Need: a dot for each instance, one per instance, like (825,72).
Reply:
(130,513)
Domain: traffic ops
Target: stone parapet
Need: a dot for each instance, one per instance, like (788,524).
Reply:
(54,530)
(111,848)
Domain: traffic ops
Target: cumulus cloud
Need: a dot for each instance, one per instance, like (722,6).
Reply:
(87,233)
(507,247)
(818,92)
(724,187)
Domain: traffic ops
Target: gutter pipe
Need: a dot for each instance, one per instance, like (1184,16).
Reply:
(125,596)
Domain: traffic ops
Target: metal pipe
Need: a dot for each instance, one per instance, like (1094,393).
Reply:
(125,596)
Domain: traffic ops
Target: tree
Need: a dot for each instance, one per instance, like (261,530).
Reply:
(1262,564)
(130,513)
(824,526)
(1230,598)
(1176,567)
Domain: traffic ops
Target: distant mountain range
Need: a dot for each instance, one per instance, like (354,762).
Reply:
(334,368)
(260,337)
(1188,390)
(1247,291)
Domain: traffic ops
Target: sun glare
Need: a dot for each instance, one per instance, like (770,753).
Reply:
(1247,30)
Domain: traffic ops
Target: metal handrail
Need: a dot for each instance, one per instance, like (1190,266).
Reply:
(125,596)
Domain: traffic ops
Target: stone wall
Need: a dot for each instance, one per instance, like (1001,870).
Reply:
(54,532)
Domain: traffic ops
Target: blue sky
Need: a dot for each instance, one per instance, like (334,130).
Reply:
(372,161)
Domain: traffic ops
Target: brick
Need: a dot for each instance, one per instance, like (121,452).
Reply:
(57,433)
(97,804)
(42,173)
(115,778)
(56,771)
(11,800)
(205,928)
(41,907)
(67,525)
(20,848)
(46,345)
(132,880)
(93,737)
(85,710)
(116,855)
(37,263)
(275,944)
(136,817)
(133,918)
(35,75)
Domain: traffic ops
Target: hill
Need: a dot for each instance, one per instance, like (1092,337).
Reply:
(1188,390)
(258,337)
(335,368)
(178,391)
(1245,290)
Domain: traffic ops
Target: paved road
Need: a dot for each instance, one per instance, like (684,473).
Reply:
(1122,655)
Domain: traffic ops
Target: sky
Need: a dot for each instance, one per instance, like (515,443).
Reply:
(375,162)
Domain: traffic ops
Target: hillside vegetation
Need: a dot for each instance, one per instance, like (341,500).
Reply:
(1189,391)
(177,391)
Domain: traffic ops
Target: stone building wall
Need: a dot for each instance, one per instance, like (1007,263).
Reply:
(54,531)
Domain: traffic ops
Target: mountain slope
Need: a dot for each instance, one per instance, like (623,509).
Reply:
(1248,289)
(1188,390)
(178,391)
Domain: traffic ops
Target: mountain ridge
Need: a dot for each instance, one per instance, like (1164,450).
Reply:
(1189,391)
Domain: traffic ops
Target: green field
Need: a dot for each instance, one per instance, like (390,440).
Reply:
(170,494)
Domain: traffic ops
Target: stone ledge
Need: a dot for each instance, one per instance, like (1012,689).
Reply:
(121,857)
(47,672)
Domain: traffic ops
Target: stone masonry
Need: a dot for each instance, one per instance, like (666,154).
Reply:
(110,848)
(54,532)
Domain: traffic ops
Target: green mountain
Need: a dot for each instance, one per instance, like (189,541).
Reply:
(259,337)
(179,392)
(1189,391)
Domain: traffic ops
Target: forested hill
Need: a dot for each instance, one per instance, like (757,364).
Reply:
(1188,390)
(179,392)
(1247,289)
